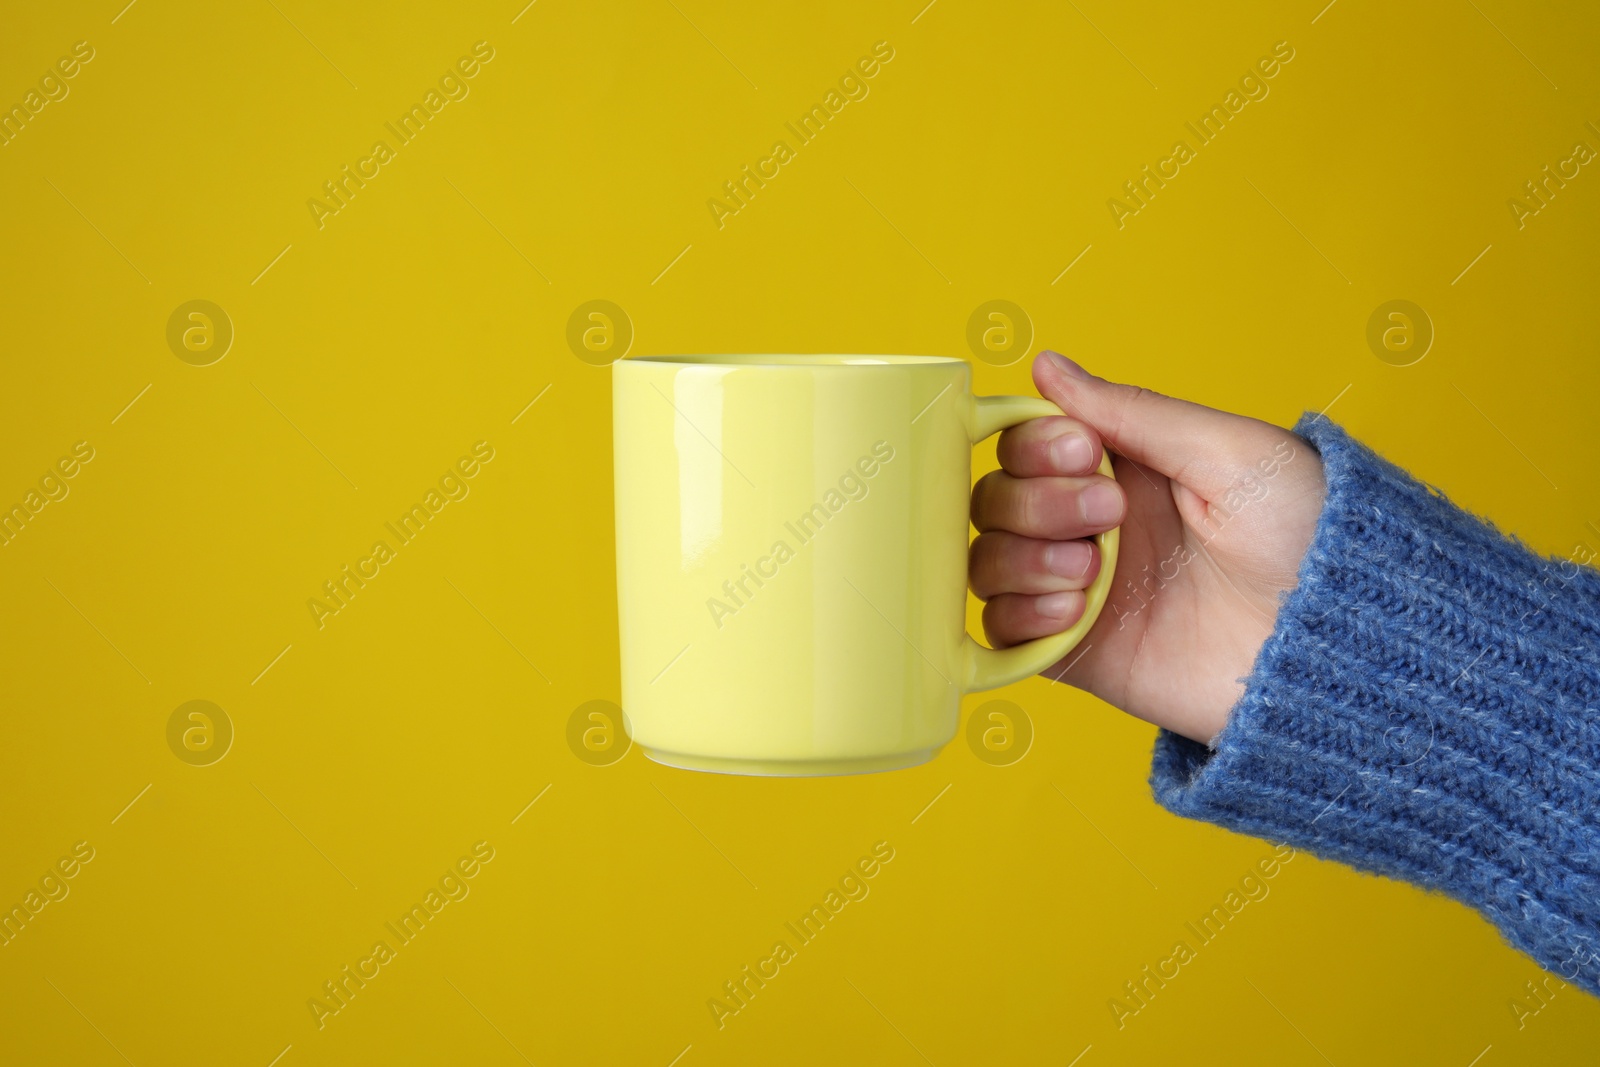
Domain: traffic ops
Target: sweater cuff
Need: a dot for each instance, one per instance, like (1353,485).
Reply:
(1424,709)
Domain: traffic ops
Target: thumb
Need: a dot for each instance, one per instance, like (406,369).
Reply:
(1192,444)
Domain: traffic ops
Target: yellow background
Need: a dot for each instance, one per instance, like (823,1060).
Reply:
(375,751)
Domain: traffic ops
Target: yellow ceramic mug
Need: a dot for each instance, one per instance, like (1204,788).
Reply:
(792,536)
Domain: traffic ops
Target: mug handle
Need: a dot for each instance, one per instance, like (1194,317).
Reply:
(988,668)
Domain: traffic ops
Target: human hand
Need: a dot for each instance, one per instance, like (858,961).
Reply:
(1216,510)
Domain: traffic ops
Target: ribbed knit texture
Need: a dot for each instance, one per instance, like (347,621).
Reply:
(1426,709)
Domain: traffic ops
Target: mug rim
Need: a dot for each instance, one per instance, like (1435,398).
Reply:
(803,360)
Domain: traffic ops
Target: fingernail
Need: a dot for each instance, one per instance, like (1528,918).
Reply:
(1068,559)
(1101,505)
(1066,366)
(1071,453)
(1055,605)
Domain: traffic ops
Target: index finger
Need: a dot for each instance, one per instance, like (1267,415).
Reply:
(1051,445)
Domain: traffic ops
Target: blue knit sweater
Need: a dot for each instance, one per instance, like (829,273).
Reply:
(1427,708)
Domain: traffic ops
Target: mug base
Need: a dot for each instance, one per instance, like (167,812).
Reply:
(781,768)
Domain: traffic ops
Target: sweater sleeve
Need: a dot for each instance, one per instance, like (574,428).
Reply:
(1426,709)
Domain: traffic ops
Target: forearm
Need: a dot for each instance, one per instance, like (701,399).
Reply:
(1425,708)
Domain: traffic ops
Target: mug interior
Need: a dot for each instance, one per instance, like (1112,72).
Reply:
(821,359)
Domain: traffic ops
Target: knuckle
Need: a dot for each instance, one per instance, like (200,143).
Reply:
(1048,426)
(1124,399)
(1033,506)
(995,623)
(981,500)
(981,566)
